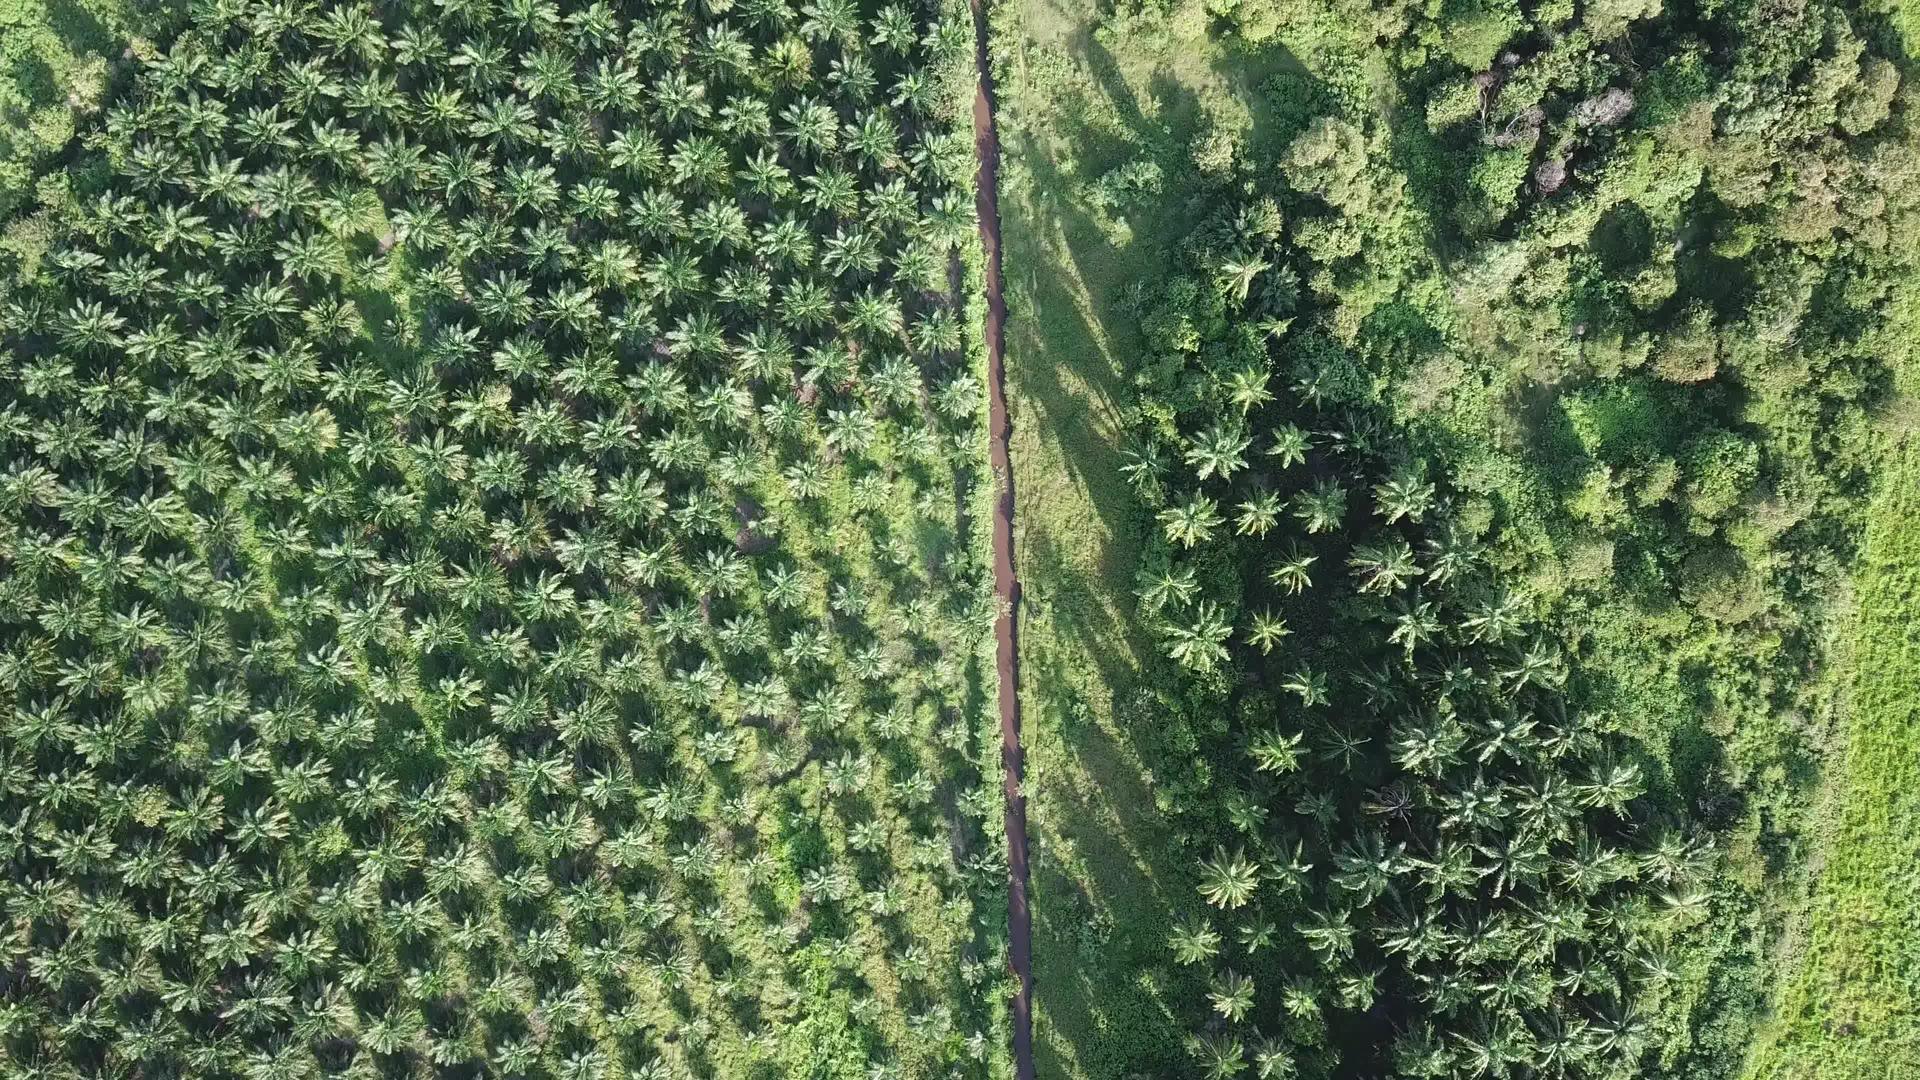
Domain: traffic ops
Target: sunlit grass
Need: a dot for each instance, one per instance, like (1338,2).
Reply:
(1109,877)
(1852,1007)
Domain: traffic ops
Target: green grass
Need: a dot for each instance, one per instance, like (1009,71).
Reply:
(1850,1009)
(1109,876)
(1847,1007)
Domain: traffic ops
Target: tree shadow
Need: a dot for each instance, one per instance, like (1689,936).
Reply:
(1110,877)
(1070,276)
(79,29)
(1111,874)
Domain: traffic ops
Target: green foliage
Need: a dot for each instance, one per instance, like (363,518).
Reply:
(493,567)
(1329,159)
(1690,351)
(1476,31)
(1617,280)
(1126,187)
(57,59)
(1497,181)
(1620,421)
(1608,19)
(1720,467)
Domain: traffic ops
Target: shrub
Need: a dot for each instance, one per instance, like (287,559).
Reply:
(1719,468)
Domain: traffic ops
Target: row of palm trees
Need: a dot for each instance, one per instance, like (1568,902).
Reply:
(485,580)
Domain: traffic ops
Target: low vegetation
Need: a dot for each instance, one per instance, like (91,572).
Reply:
(1846,1006)
(62,59)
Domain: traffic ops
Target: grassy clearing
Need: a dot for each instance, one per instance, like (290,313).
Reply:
(1851,1009)
(1108,877)
(1849,1006)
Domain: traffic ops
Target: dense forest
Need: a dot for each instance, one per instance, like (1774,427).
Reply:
(496,574)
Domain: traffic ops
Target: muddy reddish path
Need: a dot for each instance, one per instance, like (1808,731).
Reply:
(986,145)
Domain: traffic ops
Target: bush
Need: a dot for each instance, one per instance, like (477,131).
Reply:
(1127,187)
(1690,351)
(1720,585)
(1620,421)
(1720,467)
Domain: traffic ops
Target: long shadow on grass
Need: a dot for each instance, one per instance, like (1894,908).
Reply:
(1100,874)
(1111,874)
(1112,878)
(1070,277)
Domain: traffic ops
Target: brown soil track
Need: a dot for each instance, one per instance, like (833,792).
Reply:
(986,145)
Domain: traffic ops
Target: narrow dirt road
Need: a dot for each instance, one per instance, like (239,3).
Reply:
(986,145)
